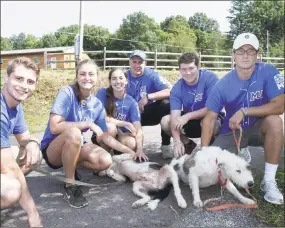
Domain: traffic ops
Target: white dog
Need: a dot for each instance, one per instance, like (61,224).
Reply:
(211,165)
(152,182)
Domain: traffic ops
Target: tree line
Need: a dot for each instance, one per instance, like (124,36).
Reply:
(175,34)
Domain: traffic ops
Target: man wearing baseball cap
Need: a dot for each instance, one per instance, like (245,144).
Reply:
(151,91)
(253,97)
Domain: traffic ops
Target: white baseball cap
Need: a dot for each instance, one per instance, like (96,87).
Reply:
(246,38)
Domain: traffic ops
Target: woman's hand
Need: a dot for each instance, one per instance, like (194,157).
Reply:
(141,156)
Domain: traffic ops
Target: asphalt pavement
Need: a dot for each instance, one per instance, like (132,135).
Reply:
(110,205)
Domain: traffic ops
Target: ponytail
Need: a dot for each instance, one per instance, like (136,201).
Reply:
(110,107)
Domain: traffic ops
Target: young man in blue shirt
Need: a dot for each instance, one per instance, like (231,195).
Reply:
(151,91)
(20,82)
(188,97)
(253,97)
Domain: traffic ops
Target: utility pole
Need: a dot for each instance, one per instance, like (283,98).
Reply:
(81,27)
(267,43)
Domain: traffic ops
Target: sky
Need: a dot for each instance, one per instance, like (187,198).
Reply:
(42,17)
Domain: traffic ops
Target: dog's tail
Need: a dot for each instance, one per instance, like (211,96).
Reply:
(160,194)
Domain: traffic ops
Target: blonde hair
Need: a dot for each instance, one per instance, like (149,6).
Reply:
(26,62)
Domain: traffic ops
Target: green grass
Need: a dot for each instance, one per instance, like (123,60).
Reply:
(270,214)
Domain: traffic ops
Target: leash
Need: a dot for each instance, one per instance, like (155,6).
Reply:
(229,205)
(239,140)
(64,179)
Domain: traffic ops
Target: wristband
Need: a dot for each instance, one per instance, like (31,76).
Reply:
(244,111)
(147,97)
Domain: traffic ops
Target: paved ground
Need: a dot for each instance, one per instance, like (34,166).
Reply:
(110,206)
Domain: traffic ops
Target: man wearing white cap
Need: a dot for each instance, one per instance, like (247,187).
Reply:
(152,92)
(253,97)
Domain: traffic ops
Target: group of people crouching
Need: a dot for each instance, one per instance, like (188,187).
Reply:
(199,105)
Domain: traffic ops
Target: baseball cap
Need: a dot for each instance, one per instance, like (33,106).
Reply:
(246,38)
(138,53)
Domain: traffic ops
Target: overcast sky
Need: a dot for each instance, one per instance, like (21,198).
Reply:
(40,17)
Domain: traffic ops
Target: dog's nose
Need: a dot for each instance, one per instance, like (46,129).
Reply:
(250,184)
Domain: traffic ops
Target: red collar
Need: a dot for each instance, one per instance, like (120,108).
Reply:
(220,175)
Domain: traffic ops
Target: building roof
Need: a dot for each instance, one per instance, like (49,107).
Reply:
(69,49)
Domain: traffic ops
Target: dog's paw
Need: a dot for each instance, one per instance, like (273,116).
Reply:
(182,203)
(152,205)
(248,201)
(140,203)
(198,203)
(110,172)
(102,173)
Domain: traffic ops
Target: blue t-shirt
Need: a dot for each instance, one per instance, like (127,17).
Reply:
(127,109)
(265,83)
(192,98)
(12,122)
(149,82)
(66,104)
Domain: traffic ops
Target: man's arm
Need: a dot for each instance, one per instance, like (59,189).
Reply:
(159,95)
(198,114)
(9,165)
(208,124)
(273,107)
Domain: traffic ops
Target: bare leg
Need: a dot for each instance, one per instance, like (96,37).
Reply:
(64,150)
(10,190)
(272,130)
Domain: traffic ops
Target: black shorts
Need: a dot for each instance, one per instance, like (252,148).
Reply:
(192,129)
(44,152)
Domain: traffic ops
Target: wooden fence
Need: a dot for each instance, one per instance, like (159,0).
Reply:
(156,60)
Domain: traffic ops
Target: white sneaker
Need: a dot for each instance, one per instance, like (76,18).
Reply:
(166,152)
(245,154)
(272,193)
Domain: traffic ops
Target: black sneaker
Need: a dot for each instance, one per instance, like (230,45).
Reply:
(74,196)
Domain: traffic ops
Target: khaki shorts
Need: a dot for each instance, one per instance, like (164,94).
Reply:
(250,137)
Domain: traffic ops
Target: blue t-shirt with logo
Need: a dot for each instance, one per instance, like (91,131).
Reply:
(66,104)
(265,83)
(12,122)
(127,109)
(149,82)
(191,98)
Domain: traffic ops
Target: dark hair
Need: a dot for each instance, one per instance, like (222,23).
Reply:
(189,57)
(26,62)
(76,85)
(110,106)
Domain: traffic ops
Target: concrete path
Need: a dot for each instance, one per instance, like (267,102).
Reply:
(110,206)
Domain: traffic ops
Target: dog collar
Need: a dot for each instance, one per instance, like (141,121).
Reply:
(222,183)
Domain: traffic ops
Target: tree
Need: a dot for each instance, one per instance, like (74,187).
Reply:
(141,29)
(18,41)
(257,17)
(180,36)
(202,22)
(49,40)
(96,38)
(65,35)
(32,42)
(6,44)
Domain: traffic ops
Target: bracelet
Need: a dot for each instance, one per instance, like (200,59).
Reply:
(176,141)
(33,140)
(147,97)
(244,111)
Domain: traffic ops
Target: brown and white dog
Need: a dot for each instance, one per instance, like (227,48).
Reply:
(152,182)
